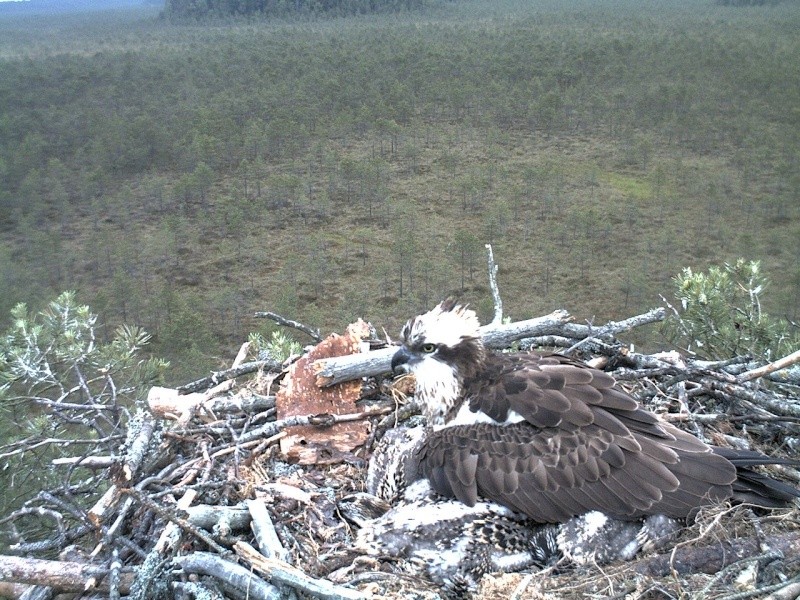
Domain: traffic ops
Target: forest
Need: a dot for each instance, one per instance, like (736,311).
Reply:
(181,176)
(214,9)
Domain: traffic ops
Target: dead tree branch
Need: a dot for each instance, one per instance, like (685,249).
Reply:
(313,333)
(60,575)
(206,563)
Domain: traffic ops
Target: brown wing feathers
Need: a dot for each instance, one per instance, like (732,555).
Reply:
(583,445)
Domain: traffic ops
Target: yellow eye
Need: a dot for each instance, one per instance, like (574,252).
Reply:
(428,348)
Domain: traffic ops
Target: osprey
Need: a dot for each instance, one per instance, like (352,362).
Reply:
(400,516)
(552,438)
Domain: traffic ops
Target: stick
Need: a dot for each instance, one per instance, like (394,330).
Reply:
(712,559)
(171,533)
(314,333)
(266,537)
(207,516)
(62,575)
(782,363)
(281,572)
(322,420)
(217,377)
(138,448)
(206,563)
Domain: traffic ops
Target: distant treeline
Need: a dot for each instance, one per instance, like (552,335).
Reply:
(194,9)
(747,2)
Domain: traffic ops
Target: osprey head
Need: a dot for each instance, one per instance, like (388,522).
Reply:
(440,348)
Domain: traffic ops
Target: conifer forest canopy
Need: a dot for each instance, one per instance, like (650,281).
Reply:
(182,168)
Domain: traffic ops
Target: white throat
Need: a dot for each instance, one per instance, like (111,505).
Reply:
(438,389)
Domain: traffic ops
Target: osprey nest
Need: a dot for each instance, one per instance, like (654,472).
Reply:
(257,482)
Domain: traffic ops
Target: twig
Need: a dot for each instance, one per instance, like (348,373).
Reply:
(168,515)
(62,575)
(313,333)
(589,333)
(787,590)
(217,377)
(766,401)
(322,420)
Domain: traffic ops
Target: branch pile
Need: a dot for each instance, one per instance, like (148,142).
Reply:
(228,487)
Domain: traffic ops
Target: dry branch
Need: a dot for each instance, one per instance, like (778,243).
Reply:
(281,572)
(266,537)
(218,377)
(712,559)
(498,301)
(208,516)
(311,332)
(772,367)
(61,575)
(207,563)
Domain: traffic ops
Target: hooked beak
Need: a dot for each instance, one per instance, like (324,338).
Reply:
(400,361)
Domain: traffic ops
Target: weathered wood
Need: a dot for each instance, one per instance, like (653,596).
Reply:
(38,592)
(280,572)
(171,533)
(217,377)
(208,516)
(87,462)
(498,301)
(244,401)
(61,575)
(13,590)
(207,563)
(264,531)
(103,506)
(772,367)
(138,448)
(685,559)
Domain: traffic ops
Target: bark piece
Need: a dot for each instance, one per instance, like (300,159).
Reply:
(299,395)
